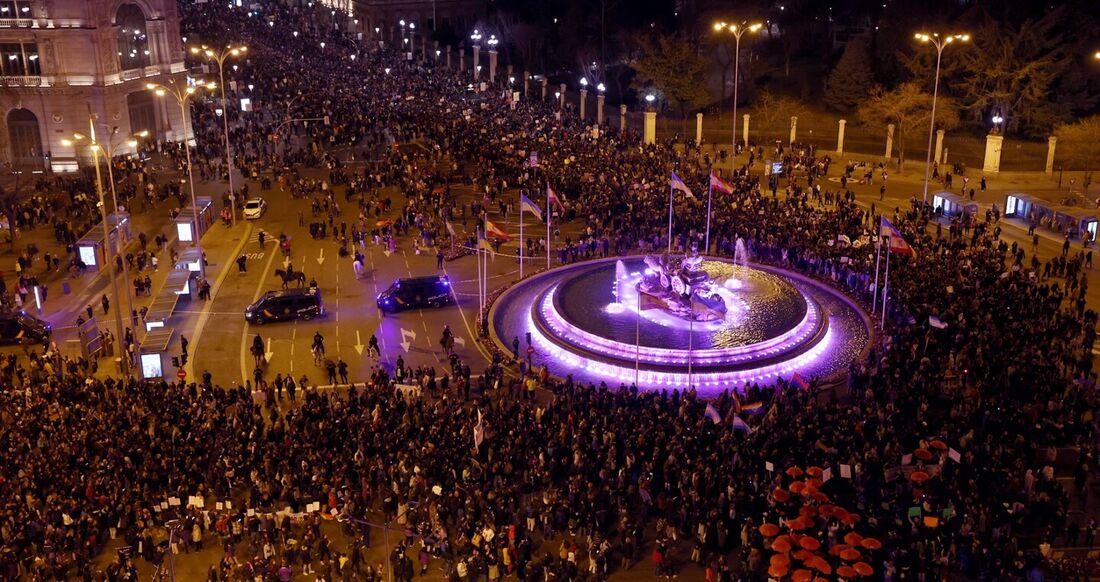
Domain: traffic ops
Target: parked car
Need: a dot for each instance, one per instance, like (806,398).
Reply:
(254,208)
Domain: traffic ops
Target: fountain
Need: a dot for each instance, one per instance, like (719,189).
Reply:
(667,322)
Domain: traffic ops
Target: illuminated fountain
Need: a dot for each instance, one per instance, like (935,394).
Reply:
(615,321)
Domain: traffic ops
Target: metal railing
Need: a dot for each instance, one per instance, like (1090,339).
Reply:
(21,81)
(16,22)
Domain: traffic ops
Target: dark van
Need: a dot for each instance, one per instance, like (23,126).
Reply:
(17,327)
(284,305)
(434,291)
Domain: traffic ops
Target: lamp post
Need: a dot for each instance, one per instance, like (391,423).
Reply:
(492,42)
(737,30)
(476,37)
(584,96)
(220,57)
(939,43)
(183,95)
(109,152)
(600,89)
(124,356)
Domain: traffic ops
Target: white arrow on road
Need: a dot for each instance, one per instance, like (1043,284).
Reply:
(459,341)
(286,262)
(358,343)
(407,338)
(269,352)
(321,257)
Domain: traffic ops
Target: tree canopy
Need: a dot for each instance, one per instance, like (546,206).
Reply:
(1078,143)
(673,66)
(909,108)
(851,79)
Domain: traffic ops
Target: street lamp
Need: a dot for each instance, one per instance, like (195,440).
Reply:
(940,43)
(649,99)
(183,95)
(220,57)
(97,149)
(476,37)
(737,30)
(108,150)
(997,121)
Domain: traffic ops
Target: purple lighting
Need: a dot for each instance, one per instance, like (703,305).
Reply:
(583,320)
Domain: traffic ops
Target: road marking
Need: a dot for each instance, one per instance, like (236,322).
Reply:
(321,257)
(358,343)
(196,335)
(244,334)
(459,341)
(405,338)
(255,256)
(269,352)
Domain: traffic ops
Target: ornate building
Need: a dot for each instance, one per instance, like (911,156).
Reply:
(60,59)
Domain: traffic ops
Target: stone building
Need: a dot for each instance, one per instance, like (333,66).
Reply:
(61,59)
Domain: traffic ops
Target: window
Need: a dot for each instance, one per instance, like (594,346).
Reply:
(15,9)
(18,59)
(133,46)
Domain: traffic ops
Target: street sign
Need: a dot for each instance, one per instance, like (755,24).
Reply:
(181,373)
(530,350)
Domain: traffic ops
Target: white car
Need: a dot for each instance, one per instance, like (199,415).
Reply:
(254,208)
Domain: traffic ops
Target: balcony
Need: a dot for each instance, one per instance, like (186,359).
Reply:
(16,22)
(22,81)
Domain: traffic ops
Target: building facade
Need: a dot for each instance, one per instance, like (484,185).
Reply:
(61,60)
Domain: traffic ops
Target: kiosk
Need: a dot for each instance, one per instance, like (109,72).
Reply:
(186,229)
(154,357)
(952,205)
(1075,222)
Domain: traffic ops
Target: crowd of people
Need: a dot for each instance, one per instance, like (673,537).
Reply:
(537,476)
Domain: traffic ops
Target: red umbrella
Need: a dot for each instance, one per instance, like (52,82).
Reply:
(778,570)
(852,538)
(807,511)
(798,523)
(804,556)
(814,471)
(781,559)
(863,568)
(769,529)
(846,572)
(809,543)
(819,497)
(820,565)
(919,476)
(871,544)
(802,576)
(923,454)
(849,555)
(794,471)
(938,444)
(781,495)
(837,549)
(814,482)
(781,545)
(797,487)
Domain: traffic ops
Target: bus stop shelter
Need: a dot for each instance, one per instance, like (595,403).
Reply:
(154,357)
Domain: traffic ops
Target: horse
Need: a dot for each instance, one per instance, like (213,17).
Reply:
(298,276)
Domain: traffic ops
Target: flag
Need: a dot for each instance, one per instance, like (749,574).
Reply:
(678,184)
(753,408)
(719,184)
(479,431)
(799,381)
(526,204)
(553,200)
(936,322)
(898,245)
(954,455)
(495,232)
(739,424)
(484,244)
(647,301)
(451,228)
(844,239)
(712,414)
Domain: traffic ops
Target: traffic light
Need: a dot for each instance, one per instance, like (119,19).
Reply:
(183,358)
(176,361)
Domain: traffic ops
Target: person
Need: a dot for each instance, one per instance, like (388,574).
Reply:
(242,266)
(372,347)
(439,259)
(258,349)
(261,238)
(318,348)
(106,304)
(342,366)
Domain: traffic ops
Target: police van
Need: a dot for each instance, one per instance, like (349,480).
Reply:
(417,292)
(284,305)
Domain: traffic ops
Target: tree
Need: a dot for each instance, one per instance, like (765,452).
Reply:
(1011,71)
(673,65)
(851,79)
(909,108)
(1079,142)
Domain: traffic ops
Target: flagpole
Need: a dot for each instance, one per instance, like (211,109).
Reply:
(710,182)
(691,336)
(549,218)
(521,237)
(886,283)
(878,259)
(637,338)
(670,191)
